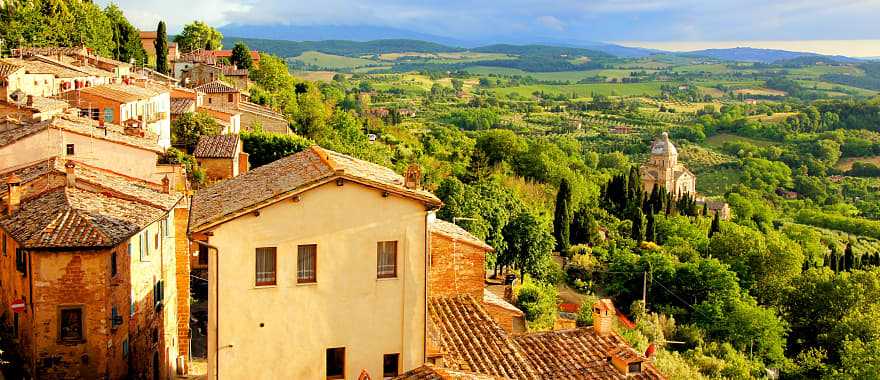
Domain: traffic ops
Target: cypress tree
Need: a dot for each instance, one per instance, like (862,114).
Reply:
(562,218)
(706,208)
(638,234)
(161,45)
(650,235)
(716,225)
(848,258)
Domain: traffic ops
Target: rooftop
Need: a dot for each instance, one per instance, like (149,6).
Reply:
(216,87)
(124,93)
(430,372)
(277,180)
(453,231)
(220,146)
(103,209)
(12,131)
(182,105)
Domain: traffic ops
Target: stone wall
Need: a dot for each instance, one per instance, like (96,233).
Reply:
(456,267)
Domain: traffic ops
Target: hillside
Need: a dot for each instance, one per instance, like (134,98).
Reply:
(284,48)
(747,54)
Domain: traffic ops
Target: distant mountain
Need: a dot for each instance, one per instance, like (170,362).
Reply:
(334,32)
(283,48)
(541,50)
(747,54)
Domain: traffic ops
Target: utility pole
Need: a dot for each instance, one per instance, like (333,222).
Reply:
(645,289)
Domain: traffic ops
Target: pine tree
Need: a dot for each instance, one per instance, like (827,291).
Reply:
(716,225)
(562,218)
(650,235)
(161,45)
(706,208)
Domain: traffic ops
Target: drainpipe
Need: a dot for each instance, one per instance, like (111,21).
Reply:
(216,303)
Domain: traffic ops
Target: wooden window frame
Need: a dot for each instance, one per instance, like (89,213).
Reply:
(274,252)
(82,318)
(327,367)
(70,149)
(314,278)
(379,252)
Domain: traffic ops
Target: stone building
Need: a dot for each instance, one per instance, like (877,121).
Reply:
(664,170)
(90,256)
(221,156)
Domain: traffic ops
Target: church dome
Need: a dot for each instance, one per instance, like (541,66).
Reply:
(663,147)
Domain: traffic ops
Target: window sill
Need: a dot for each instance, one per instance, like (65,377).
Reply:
(387,278)
(265,286)
(307,283)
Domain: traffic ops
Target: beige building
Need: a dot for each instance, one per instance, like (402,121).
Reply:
(317,267)
(121,150)
(145,105)
(664,170)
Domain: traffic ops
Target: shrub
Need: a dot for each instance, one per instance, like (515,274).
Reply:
(538,303)
(265,147)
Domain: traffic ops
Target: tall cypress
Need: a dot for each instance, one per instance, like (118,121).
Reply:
(562,218)
(650,235)
(638,234)
(716,225)
(161,45)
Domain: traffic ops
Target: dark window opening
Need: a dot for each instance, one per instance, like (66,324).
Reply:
(21,261)
(113,270)
(203,255)
(390,365)
(386,266)
(635,367)
(336,363)
(71,149)
(71,324)
(266,266)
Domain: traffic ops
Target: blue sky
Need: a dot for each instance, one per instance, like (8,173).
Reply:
(600,20)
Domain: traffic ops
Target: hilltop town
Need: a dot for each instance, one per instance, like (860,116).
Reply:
(187,207)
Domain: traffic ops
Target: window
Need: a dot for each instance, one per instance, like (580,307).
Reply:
(108,115)
(71,149)
(113,264)
(115,318)
(386,266)
(203,255)
(156,240)
(70,324)
(266,266)
(336,363)
(4,243)
(635,367)
(144,245)
(20,260)
(389,365)
(209,100)
(158,293)
(229,98)
(125,348)
(307,263)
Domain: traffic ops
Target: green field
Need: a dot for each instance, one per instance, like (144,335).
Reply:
(817,71)
(331,61)
(585,90)
(571,76)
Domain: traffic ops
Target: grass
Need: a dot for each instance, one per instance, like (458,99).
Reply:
(718,140)
(331,61)
(585,90)
(819,70)
(570,76)
(846,164)
(760,92)
(317,76)
(715,68)
(833,87)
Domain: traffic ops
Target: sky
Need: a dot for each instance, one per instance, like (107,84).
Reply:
(641,22)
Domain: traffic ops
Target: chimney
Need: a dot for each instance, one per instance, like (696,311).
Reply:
(413,177)
(70,169)
(30,100)
(166,185)
(603,316)
(14,184)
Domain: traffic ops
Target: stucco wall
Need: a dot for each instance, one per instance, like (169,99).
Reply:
(283,331)
(122,159)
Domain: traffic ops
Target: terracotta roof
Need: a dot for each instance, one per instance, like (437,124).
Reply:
(198,56)
(182,105)
(579,354)
(215,87)
(277,180)
(122,92)
(220,146)
(471,340)
(453,231)
(37,66)
(148,35)
(430,372)
(103,209)
(41,104)
(253,108)
(7,68)
(11,132)
(493,299)
(74,63)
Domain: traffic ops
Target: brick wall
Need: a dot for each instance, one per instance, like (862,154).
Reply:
(457,267)
(181,217)
(511,321)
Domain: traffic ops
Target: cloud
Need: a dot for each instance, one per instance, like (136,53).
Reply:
(523,19)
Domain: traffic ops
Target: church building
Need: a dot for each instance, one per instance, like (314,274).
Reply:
(663,169)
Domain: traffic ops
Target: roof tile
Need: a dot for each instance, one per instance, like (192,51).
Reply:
(220,146)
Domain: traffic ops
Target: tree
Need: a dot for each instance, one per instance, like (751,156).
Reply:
(529,243)
(241,56)
(562,217)
(265,147)
(500,145)
(199,35)
(126,37)
(188,128)
(650,235)
(716,225)
(161,45)
(637,218)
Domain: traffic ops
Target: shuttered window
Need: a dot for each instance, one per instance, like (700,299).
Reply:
(307,263)
(386,266)
(266,266)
